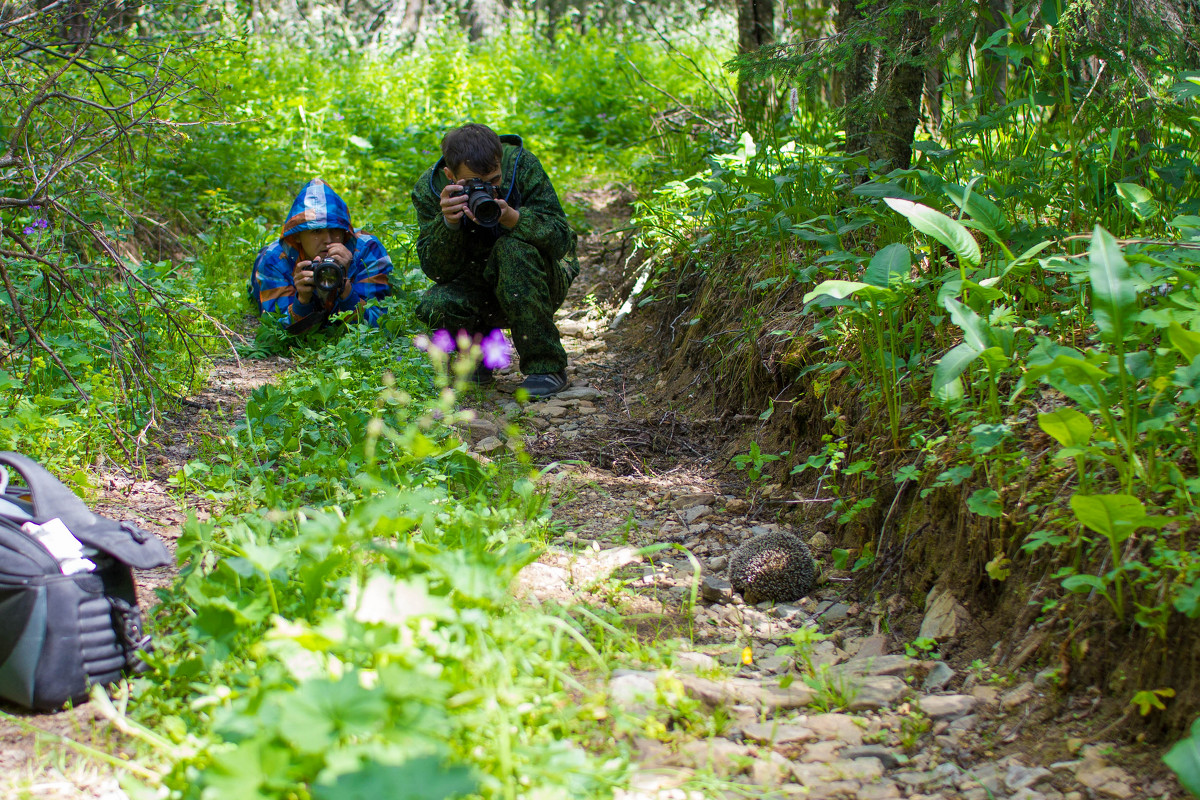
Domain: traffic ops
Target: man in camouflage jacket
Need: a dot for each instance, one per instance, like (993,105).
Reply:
(514,274)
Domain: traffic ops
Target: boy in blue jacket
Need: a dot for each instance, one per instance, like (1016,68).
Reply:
(318,227)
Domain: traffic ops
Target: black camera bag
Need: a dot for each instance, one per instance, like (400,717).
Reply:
(61,633)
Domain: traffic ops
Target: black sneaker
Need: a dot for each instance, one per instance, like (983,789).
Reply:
(482,376)
(544,384)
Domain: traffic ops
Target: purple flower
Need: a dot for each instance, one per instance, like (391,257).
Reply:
(41,223)
(34,208)
(336,115)
(443,341)
(29,231)
(497,352)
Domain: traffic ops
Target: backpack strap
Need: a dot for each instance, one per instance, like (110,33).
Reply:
(123,541)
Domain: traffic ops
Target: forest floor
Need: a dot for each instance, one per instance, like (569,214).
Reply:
(853,712)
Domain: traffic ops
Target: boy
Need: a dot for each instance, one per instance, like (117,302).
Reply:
(317,227)
(510,269)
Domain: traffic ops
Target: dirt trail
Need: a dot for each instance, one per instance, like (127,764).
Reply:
(847,715)
(852,712)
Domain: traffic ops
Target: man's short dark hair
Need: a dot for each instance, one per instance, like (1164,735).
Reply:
(475,145)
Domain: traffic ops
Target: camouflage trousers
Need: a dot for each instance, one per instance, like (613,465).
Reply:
(515,288)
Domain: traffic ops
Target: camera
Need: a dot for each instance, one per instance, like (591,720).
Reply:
(481,199)
(328,278)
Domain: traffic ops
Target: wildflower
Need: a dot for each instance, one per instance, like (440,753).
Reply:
(29,231)
(41,223)
(443,341)
(337,116)
(421,342)
(497,352)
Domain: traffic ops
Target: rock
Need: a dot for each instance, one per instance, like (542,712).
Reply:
(875,692)
(580,393)
(633,692)
(944,616)
(488,444)
(737,506)
(834,613)
(1018,695)
(872,647)
(694,513)
(716,590)
(1019,776)
(777,734)
(819,541)
(964,724)
(718,564)
(771,697)
(770,769)
(947,706)
(834,726)
(896,665)
(552,412)
(939,675)
(987,695)
(822,752)
(887,757)
(722,756)
(689,500)
(692,661)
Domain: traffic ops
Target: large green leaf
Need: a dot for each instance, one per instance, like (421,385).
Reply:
(1137,199)
(1116,516)
(843,289)
(975,330)
(1114,300)
(1185,341)
(1068,427)
(940,227)
(421,778)
(1184,760)
(893,261)
(987,215)
(951,366)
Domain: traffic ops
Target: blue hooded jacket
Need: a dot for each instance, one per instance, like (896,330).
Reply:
(317,207)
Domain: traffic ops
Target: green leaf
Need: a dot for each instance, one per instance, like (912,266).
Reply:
(952,365)
(893,261)
(987,215)
(975,330)
(1184,760)
(319,713)
(940,227)
(844,289)
(985,502)
(424,778)
(1116,516)
(1080,584)
(1067,426)
(361,143)
(1114,300)
(1185,341)
(1137,199)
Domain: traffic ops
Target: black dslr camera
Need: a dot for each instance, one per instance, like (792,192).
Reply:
(328,278)
(481,199)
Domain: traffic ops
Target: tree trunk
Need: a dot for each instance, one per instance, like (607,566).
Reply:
(410,26)
(900,83)
(856,78)
(756,29)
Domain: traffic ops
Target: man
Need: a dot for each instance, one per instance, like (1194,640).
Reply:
(318,228)
(512,267)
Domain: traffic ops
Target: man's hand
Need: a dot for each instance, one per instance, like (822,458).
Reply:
(347,288)
(454,203)
(339,253)
(509,216)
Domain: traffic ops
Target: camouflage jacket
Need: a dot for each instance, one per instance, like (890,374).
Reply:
(446,253)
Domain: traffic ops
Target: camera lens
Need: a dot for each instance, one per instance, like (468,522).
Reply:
(485,209)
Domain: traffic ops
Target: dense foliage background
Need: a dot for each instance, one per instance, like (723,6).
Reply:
(957,242)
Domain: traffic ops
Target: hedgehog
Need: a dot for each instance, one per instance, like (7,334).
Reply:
(776,566)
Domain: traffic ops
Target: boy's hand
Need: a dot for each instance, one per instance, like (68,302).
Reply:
(339,253)
(302,277)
